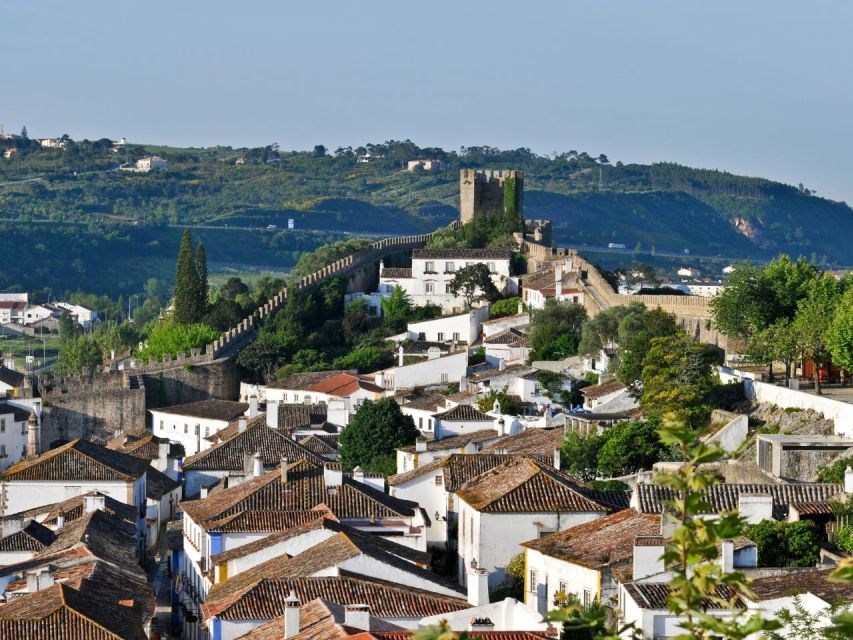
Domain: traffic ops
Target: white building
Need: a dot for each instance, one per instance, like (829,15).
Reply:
(189,424)
(13,434)
(151,163)
(517,321)
(12,311)
(326,386)
(11,382)
(460,328)
(559,282)
(433,269)
(7,296)
(436,369)
(82,315)
(705,289)
(427,165)
(509,346)
(425,451)
(513,503)
(462,420)
(21,539)
(37,312)
(689,272)
(598,395)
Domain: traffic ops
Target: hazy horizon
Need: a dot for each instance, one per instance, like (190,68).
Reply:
(756,90)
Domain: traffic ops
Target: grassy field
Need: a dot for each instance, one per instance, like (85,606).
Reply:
(18,348)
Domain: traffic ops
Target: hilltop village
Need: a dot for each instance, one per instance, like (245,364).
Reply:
(470,427)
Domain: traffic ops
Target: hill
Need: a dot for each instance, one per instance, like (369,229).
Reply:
(72,219)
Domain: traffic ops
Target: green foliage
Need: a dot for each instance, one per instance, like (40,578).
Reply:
(504,307)
(636,331)
(555,330)
(78,352)
(326,255)
(844,538)
(579,454)
(67,327)
(376,430)
(366,359)
(396,309)
(201,270)
(834,471)
(678,373)
(263,356)
(505,400)
(473,283)
(840,335)
(785,544)
(579,622)
(609,485)
(629,447)
(814,319)
(187,308)
(802,624)
(172,338)
(512,586)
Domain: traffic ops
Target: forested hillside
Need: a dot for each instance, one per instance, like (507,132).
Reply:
(72,220)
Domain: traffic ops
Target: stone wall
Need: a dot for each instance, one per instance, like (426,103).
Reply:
(482,191)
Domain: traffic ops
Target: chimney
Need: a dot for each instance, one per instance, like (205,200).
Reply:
(520,307)
(668,523)
(755,508)
(379,379)
(501,364)
(463,383)
(420,444)
(478,586)
(848,480)
(334,477)
(357,616)
(558,279)
(358,474)
(727,556)
(291,616)
(272,413)
(12,525)
(163,447)
(253,406)
(481,624)
(257,465)
(400,356)
(284,471)
(242,424)
(500,426)
(648,552)
(557,458)
(32,582)
(60,520)
(44,578)
(94,503)
(32,436)
(202,491)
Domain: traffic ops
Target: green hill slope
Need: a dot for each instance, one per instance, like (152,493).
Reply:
(71,219)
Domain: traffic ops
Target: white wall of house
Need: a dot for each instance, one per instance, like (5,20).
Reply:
(36,312)
(13,439)
(492,539)
(450,428)
(429,492)
(291,547)
(194,480)
(546,576)
(374,568)
(189,431)
(293,396)
(464,327)
(509,322)
(509,354)
(423,420)
(14,557)
(22,495)
(445,369)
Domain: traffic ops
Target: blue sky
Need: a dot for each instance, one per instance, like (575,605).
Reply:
(759,88)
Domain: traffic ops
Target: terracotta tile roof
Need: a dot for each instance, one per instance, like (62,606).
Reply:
(158,484)
(815,581)
(72,509)
(208,409)
(464,413)
(534,442)
(512,337)
(396,272)
(100,604)
(318,620)
(146,447)
(320,445)
(105,536)
(457,468)
(481,635)
(520,485)
(510,371)
(724,497)
(461,254)
(300,381)
(265,600)
(301,416)
(456,442)
(516,316)
(33,537)
(77,460)
(596,544)
(426,403)
(305,489)
(599,390)
(343,385)
(11,377)
(229,455)
(262,521)
(654,595)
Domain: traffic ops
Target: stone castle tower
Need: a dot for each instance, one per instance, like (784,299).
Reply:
(490,190)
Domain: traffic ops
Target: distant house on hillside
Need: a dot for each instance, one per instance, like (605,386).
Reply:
(426,165)
(149,163)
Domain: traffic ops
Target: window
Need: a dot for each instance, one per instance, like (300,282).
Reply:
(2,450)
(449,267)
(429,424)
(575,299)
(429,267)
(456,335)
(491,266)
(206,431)
(444,377)
(564,588)
(186,429)
(420,423)
(440,336)
(197,429)
(161,426)
(429,287)
(532,585)
(284,397)
(587,598)
(2,425)
(439,480)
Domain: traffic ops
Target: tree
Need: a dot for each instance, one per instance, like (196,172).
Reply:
(203,286)
(473,283)
(579,454)
(67,327)
(636,331)
(262,356)
(814,319)
(677,375)
(602,330)
(396,308)
(187,310)
(505,307)
(512,585)
(834,471)
(366,359)
(803,624)
(172,338)
(24,132)
(78,352)
(555,330)
(506,402)
(785,544)
(319,151)
(375,431)
(776,343)
(839,339)
(232,288)
(630,447)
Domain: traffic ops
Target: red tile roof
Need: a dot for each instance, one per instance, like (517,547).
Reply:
(343,384)
(78,460)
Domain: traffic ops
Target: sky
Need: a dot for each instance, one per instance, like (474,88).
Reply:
(758,88)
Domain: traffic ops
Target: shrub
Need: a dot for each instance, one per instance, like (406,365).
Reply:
(171,338)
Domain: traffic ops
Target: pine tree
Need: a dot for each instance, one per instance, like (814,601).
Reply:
(201,269)
(186,283)
(24,132)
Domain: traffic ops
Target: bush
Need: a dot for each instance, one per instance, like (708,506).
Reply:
(171,338)
(505,307)
(834,471)
(785,544)
(844,539)
(376,430)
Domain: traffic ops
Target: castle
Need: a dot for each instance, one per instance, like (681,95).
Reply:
(489,191)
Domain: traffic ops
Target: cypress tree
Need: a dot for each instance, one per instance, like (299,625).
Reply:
(186,283)
(201,269)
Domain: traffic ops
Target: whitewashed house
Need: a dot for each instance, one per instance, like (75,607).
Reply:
(425,451)
(598,395)
(516,321)
(326,386)
(460,328)
(422,410)
(11,382)
(433,269)
(21,539)
(80,313)
(515,502)
(461,420)
(35,313)
(509,346)
(189,424)
(558,282)
(12,311)
(13,434)
(436,369)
